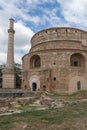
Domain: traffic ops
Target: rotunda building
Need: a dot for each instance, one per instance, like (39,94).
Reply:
(57,61)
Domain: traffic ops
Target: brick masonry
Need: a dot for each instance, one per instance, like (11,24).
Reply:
(57,61)
(8,72)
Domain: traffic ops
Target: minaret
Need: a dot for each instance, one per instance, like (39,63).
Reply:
(8,73)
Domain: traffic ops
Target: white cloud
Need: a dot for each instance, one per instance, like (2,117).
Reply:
(22,39)
(2,58)
(51,17)
(69,13)
(23,34)
(74,12)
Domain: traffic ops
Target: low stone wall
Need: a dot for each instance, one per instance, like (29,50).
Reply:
(10,93)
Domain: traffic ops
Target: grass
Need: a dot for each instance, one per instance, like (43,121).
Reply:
(46,117)
(6,124)
(77,95)
(68,117)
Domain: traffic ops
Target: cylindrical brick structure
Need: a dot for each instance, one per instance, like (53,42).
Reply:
(57,61)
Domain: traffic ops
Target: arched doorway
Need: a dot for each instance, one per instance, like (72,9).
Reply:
(34,82)
(34,86)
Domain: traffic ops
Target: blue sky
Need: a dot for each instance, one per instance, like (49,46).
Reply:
(32,16)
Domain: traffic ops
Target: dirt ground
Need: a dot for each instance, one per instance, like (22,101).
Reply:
(75,124)
(72,116)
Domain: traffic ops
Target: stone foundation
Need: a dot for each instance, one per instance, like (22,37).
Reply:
(9,80)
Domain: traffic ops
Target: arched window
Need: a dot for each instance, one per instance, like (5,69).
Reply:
(78,85)
(35,61)
(77,60)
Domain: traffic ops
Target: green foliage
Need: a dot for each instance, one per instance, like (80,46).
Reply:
(46,117)
(18,74)
(76,95)
(17,68)
(0,78)
(6,124)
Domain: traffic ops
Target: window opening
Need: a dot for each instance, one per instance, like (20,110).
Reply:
(25,86)
(44,87)
(37,62)
(75,63)
(79,85)
(54,63)
(54,78)
(66,30)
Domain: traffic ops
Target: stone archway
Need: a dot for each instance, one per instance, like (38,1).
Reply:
(77,83)
(34,83)
(77,60)
(35,61)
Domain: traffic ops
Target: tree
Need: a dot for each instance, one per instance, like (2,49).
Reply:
(17,68)
(18,74)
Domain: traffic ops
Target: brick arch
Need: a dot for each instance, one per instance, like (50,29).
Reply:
(73,84)
(34,80)
(35,61)
(77,60)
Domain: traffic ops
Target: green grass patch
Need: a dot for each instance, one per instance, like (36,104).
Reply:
(77,95)
(5,123)
(45,117)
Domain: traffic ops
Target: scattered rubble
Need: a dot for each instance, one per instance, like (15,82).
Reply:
(41,101)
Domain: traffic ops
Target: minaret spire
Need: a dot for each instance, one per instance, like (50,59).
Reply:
(10,53)
(8,73)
